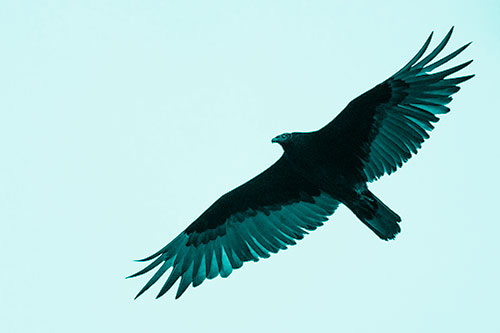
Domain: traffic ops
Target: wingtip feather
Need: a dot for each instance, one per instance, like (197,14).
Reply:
(151,257)
(417,56)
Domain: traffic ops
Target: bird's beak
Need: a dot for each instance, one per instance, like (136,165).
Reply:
(274,140)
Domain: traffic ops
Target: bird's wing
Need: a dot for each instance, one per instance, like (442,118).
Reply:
(380,130)
(262,216)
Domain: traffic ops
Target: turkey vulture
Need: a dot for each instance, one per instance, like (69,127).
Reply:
(374,135)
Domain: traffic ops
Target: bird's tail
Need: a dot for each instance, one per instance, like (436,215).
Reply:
(376,215)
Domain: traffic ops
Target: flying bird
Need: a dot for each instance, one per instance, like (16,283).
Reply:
(374,135)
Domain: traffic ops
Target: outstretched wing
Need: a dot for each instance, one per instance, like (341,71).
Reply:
(380,130)
(262,216)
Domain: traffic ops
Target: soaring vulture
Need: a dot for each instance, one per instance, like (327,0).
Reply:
(374,135)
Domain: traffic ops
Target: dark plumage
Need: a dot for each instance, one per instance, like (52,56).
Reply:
(374,135)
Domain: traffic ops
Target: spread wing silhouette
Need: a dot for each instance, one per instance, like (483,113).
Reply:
(380,130)
(264,215)
(374,135)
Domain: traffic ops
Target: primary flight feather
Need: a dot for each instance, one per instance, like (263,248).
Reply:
(375,134)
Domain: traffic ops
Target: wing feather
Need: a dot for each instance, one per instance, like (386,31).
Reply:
(386,125)
(255,237)
(263,216)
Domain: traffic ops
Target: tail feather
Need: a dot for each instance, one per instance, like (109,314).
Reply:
(376,216)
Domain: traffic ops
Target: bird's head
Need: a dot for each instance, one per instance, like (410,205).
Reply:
(282,139)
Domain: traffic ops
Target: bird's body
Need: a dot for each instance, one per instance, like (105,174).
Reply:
(374,135)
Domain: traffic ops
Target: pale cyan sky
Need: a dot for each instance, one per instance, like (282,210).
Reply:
(122,121)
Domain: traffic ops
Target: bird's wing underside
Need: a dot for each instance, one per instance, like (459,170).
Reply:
(381,129)
(262,216)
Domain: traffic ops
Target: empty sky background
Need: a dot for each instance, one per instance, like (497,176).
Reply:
(122,121)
